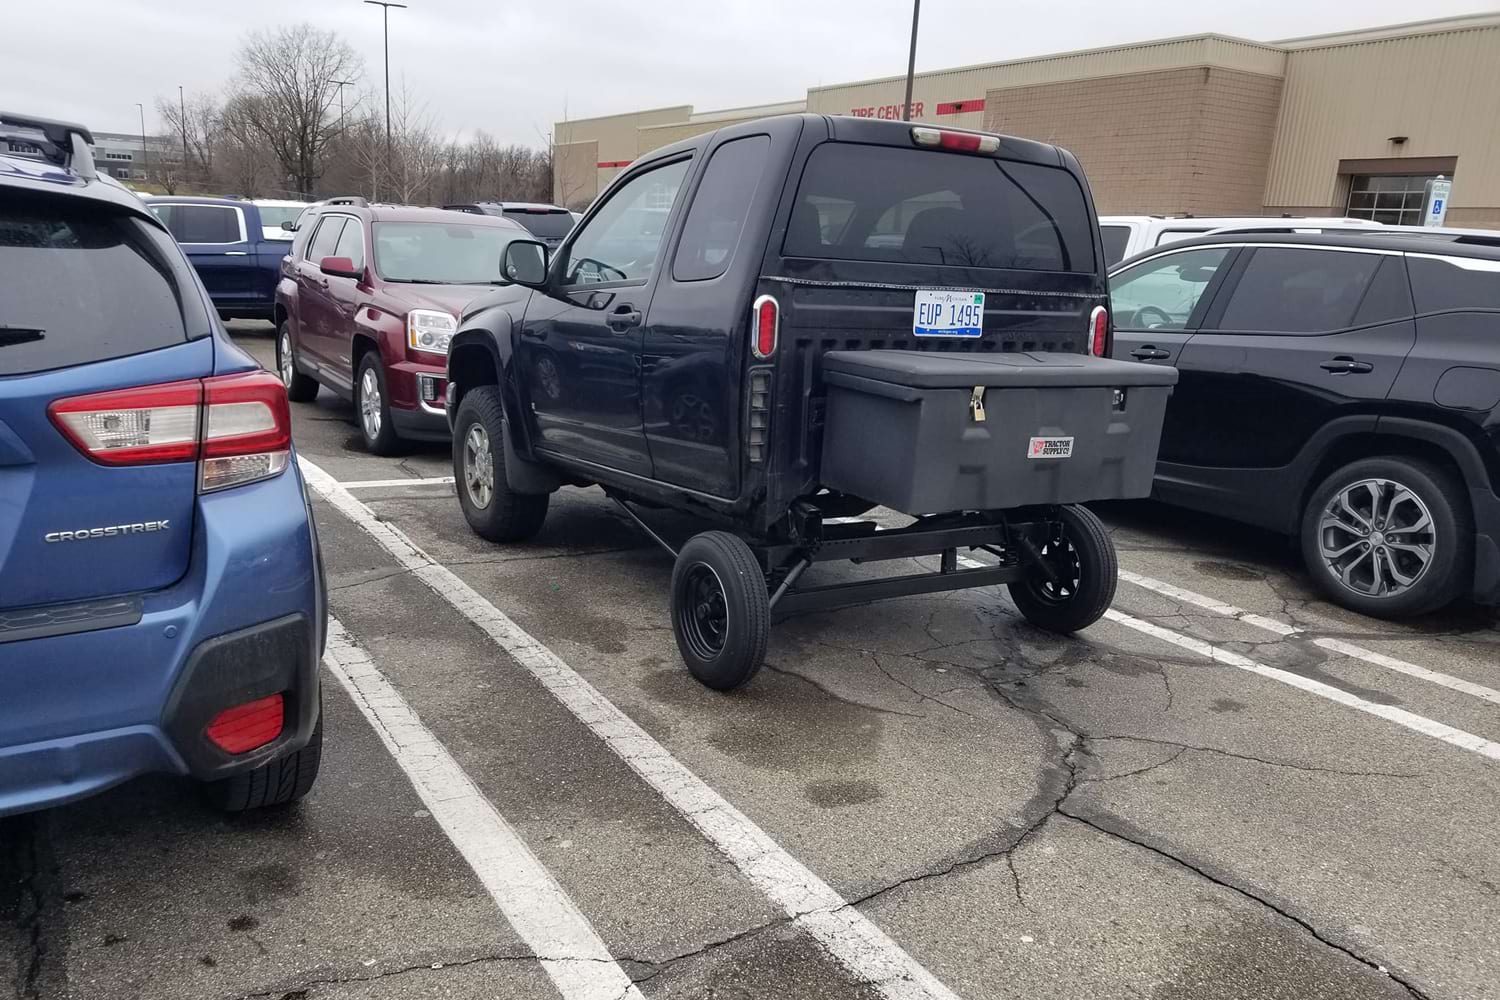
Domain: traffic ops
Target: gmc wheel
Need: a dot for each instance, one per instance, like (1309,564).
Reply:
(1389,537)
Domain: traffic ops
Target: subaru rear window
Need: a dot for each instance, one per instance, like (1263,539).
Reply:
(919,206)
(81,283)
(541,222)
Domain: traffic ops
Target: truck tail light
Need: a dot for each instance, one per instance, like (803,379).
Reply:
(962,142)
(237,427)
(766,326)
(1099,332)
(758,431)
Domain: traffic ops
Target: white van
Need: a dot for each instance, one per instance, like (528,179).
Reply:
(1128,235)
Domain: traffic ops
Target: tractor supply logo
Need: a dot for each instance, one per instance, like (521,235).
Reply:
(89,534)
(1050,448)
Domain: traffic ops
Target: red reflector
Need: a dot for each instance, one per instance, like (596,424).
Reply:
(767,321)
(248,726)
(1099,332)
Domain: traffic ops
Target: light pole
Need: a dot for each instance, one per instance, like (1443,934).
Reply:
(341,84)
(145,149)
(911,60)
(385,17)
(182,114)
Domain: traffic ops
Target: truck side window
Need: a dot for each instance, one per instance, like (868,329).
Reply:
(719,209)
(622,240)
(204,224)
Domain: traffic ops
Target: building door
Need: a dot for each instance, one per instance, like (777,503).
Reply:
(1394,200)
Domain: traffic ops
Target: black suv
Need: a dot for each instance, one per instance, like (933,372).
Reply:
(1340,387)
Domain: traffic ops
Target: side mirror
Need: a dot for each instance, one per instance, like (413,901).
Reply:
(525,263)
(341,267)
(289,226)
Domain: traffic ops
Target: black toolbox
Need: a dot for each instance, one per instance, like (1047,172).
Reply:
(930,432)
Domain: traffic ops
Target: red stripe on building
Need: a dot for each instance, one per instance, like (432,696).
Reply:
(624,163)
(959,107)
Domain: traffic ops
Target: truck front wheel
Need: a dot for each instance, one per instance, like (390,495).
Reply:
(1078,582)
(721,612)
(493,510)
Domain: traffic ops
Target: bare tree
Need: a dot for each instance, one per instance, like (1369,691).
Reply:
(290,72)
(195,125)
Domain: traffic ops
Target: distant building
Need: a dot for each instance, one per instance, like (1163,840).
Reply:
(125,156)
(1352,123)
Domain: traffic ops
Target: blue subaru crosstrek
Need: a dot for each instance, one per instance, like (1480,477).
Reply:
(161,590)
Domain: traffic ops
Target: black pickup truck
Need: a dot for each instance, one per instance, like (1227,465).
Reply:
(785,323)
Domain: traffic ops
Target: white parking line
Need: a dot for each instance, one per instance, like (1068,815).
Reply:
(1417,723)
(1334,645)
(561,937)
(375,484)
(1400,716)
(851,938)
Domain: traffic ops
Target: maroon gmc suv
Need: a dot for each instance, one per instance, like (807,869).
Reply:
(369,296)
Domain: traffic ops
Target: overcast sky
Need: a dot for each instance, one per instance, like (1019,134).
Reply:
(511,66)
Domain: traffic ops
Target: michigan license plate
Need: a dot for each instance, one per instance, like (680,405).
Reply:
(948,314)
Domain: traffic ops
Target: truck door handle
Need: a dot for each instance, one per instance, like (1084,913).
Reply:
(623,318)
(235,253)
(1345,365)
(1149,353)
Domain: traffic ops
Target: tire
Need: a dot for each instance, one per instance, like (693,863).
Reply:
(721,610)
(375,425)
(300,388)
(278,783)
(493,510)
(1429,569)
(1083,555)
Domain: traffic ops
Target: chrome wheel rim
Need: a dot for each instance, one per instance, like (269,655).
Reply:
(287,368)
(369,403)
(1377,538)
(479,467)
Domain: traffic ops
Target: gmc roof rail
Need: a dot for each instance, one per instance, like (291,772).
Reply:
(63,143)
(352,199)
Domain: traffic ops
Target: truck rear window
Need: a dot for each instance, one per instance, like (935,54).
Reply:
(550,225)
(919,206)
(80,284)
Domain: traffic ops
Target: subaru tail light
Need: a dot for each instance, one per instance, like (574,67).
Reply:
(237,427)
(766,326)
(1099,332)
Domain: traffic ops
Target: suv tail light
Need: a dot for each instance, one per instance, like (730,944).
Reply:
(766,319)
(1099,332)
(237,427)
(963,142)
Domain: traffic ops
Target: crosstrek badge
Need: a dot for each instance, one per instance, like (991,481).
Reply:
(1050,447)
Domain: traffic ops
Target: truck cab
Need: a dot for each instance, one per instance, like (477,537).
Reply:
(226,241)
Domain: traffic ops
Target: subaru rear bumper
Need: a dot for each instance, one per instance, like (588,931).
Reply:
(87,709)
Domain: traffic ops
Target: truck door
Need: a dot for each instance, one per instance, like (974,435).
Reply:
(580,346)
(216,242)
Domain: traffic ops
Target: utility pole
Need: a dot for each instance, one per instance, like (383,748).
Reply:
(911,61)
(182,114)
(145,149)
(341,84)
(385,17)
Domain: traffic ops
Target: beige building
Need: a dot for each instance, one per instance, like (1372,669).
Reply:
(1352,123)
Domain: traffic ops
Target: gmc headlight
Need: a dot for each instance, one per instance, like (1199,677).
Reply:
(429,331)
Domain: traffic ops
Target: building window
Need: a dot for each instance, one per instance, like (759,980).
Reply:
(1394,200)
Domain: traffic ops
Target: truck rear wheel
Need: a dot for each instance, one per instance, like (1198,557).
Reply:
(493,510)
(721,612)
(1081,556)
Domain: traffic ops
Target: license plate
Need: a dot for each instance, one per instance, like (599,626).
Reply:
(1050,447)
(948,314)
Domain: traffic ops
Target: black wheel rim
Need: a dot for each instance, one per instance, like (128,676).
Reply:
(1062,558)
(702,612)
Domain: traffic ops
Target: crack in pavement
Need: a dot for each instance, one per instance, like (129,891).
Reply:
(1251,758)
(301,987)
(42,945)
(656,967)
(768,665)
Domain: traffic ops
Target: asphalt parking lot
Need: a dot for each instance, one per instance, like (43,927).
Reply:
(1227,788)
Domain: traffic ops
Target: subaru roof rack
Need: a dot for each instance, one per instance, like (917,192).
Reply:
(352,199)
(63,143)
